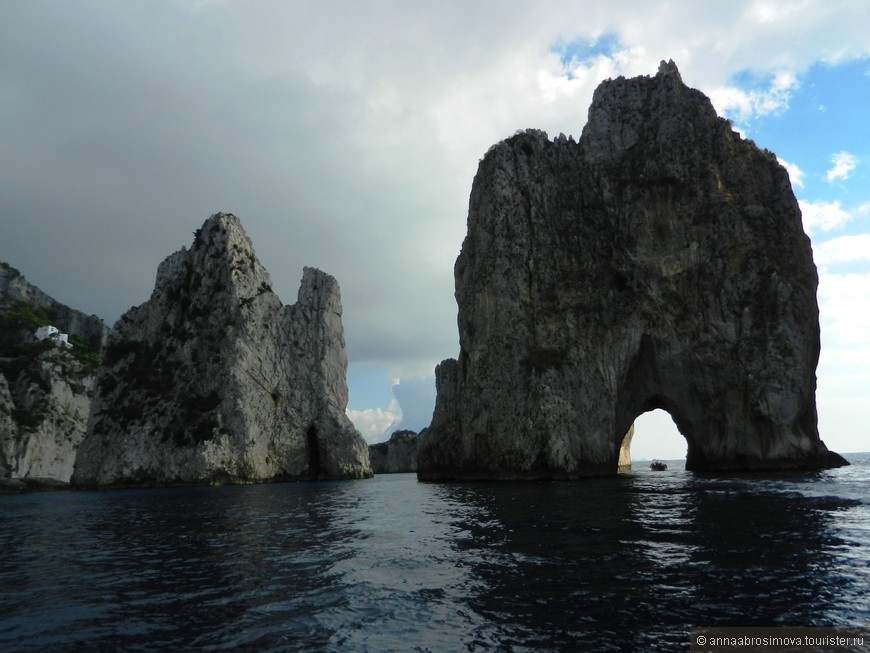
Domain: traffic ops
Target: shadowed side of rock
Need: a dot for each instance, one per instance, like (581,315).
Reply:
(213,380)
(45,385)
(398,455)
(659,262)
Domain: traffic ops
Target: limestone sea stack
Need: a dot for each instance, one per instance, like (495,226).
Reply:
(213,380)
(659,262)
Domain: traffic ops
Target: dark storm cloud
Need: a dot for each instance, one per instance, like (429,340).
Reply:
(345,135)
(127,124)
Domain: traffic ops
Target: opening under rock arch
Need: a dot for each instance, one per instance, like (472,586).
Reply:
(656,437)
(313,453)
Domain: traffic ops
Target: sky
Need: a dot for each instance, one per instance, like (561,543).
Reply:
(346,135)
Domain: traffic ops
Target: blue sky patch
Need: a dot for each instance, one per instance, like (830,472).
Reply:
(826,115)
(581,51)
(368,386)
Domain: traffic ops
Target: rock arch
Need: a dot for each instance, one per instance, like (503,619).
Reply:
(658,262)
(627,442)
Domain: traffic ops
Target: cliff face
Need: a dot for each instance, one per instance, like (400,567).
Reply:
(45,391)
(89,329)
(44,416)
(397,455)
(214,380)
(659,262)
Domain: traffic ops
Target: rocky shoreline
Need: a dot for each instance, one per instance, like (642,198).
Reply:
(31,484)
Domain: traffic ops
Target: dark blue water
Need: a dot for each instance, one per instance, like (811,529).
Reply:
(390,564)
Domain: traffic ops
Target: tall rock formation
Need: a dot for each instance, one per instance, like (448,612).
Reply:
(659,262)
(214,380)
(45,390)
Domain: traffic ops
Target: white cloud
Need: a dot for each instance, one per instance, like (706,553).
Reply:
(744,105)
(844,163)
(844,301)
(416,397)
(376,423)
(823,216)
(410,408)
(794,173)
(839,414)
(844,249)
(844,304)
(783,81)
(844,364)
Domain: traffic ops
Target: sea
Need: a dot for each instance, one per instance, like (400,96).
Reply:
(627,563)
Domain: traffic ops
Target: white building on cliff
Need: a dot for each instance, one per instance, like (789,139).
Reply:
(60,339)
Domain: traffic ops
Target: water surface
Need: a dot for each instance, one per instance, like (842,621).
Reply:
(390,564)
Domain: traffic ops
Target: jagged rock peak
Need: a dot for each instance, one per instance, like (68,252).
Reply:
(670,68)
(215,380)
(658,263)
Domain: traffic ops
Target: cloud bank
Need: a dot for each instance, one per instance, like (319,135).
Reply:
(345,135)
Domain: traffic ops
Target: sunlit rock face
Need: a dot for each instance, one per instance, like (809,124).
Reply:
(213,380)
(659,262)
(44,415)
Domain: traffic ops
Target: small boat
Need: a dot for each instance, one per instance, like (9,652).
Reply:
(658,465)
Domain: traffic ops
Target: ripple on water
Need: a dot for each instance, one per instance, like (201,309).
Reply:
(629,563)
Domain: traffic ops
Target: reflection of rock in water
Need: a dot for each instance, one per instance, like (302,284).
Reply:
(630,563)
(625,563)
(659,262)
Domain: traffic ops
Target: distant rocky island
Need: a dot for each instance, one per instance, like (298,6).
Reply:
(658,262)
(397,455)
